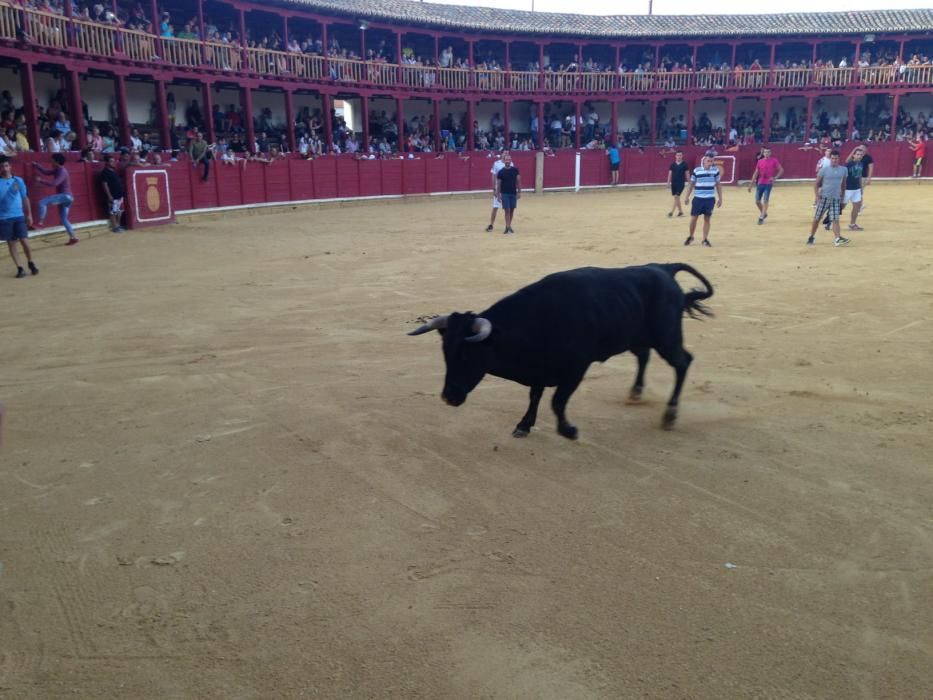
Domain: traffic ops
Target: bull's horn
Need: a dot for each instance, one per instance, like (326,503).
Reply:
(432,325)
(483,328)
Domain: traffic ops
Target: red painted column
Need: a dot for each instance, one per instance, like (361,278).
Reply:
(437,125)
(77,109)
(614,126)
(577,130)
(28,79)
(730,104)
(123,112)
(285,33)
(850,124)
(690,102)
(809,117)
(248,124)
(165,137)
(364,107)
(207,100)
(615,66)
(766,128)
(201,31)
(735,49)
(400,118)
(243,41)
(856,73)
(437,50)
(363,46)
(398,57)
(695,49)
(541,71)
(814,52)
(657,57)
(328,123)
(653,107)
(507,123)
(469,126)
(472,65)
(290,122)
(894,107)
(508,58)
(773,52)
(154,10)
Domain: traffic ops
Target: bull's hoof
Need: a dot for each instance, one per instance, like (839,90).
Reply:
(568,431)
(520,432)
(670,417)
(634,396)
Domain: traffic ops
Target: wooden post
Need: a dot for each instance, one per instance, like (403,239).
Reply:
(469,125)
(201,32)
(328,123)
(165,124)
(806,134)
(856,72)
(766,127)
(577,130)
(398,57)
(290,122)
(894,107)
(123,112)
(850,124)
(614,126)
(541,71)
(437,125)
(77,108)
(156,28)
(247,99)
(244,43)
(653,106)
(542,126)
(689,122)
(208,100)
(69,15)
(507,123)
(364,108)
(400,118)
(28,80)
(730,103)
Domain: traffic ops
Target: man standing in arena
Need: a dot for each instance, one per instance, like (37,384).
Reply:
(767,171)
(614,161)
(677,179)
(496,167)
(112,186)
(15,216)
(508,189)
(828,192)
(705,181)
(854,184)
(919,147)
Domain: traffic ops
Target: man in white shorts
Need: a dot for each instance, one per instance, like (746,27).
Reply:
(854,182)
(496,203)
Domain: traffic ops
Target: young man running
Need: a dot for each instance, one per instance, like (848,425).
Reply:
(705,181)
(496,167)
(15,216)
(828,191)
(677,179)
(62,198)
(854,184)
(508,189)
(767,171)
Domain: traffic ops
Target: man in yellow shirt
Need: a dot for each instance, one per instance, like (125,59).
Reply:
(22,142)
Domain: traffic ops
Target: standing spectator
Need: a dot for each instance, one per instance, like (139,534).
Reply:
(15,216)
(705,180)
(677,179)
(919,147)
(854,185)
(615,161)
(62,198)
(112,186)
(767,171)
(508,189)
(496,203)
(199,151)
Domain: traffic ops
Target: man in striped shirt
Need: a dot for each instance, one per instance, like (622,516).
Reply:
(704,184)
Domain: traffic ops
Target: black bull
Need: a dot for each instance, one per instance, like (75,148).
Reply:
(548,334)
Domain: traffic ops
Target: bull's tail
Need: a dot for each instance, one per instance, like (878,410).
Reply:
(693,298)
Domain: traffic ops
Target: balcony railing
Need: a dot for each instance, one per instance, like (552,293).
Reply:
(45,29)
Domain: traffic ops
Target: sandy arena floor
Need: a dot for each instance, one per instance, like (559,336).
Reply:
(227,471)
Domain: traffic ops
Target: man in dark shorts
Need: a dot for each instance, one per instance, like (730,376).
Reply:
(677,180)
(614,161)
(705,181)
(15,216)
(112,186)
(508,189)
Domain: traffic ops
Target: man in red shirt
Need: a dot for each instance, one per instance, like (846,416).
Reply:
(919,147)
(767,171)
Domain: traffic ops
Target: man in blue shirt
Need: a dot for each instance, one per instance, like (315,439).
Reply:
(614,161)
(15,216)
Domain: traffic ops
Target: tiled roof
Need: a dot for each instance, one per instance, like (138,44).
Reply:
(486,19)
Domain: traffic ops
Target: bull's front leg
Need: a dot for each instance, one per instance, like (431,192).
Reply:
(531,415)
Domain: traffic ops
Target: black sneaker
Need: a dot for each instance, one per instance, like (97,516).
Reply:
(761,220)
(508,229)
(680,214)
(810,241)
(707,244)
(20,272)
(689,240)
(841,241)
(33,269)
(670,214)
(489,228)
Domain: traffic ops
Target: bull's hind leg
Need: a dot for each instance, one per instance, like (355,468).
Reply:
(562,395)
(634,396)
(531,415)
(680,360)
